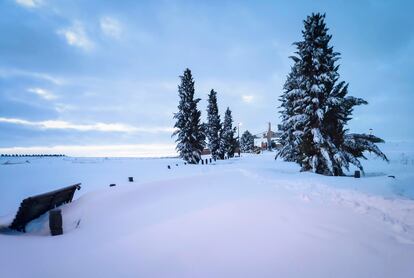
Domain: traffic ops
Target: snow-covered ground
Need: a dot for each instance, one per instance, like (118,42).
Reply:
(245,217)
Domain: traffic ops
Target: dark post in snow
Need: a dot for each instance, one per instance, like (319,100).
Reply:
(206,161)
(55,222)
(169,167)
(210,160)
(202,161)
(357,174)
(130,179)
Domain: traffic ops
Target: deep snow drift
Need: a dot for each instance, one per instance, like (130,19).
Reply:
(244,217)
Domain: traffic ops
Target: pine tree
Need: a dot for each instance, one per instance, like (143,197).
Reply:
(356,144)
(204,129)
(190,139)
(290,127)
(228,143)
(247,142)
(213,127)
(316,108)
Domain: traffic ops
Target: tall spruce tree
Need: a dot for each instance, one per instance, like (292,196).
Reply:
(190,136)
(247,142)
(290,127)
(316,108)
(228,143)
(213,128)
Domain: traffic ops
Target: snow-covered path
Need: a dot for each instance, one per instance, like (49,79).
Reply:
(248,217)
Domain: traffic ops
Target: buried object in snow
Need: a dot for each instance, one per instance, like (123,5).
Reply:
(33,207)
(55,222)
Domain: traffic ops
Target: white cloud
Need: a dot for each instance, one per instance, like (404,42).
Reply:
(133,150)
(75,35)
(62,107)
(45,94)
(29,3)
(11,72)
(247,98)
(103,127)
(110,27)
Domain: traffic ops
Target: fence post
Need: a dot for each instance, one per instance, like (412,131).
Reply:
(55,222)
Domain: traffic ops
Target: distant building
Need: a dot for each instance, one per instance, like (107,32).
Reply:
(269,139)
(206,151)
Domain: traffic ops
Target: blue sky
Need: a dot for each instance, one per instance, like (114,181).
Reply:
(100,77)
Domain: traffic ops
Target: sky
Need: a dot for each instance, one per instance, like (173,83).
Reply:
(99,78)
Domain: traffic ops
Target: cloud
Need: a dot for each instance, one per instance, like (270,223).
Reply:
(103,127)
(29,3)
(134,150)
(63,107)
(110,27)
(45,94)
(75,35)
(11,72)
(247,98)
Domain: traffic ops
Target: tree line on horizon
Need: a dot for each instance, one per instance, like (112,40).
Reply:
(32,155)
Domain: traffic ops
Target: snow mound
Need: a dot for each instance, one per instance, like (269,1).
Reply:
(247,217)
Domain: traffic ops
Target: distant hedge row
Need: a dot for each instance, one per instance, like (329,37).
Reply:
(32,155)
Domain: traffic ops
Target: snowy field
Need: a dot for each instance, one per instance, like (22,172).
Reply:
(245,217)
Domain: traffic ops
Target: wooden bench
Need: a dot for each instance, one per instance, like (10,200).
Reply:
(33,207)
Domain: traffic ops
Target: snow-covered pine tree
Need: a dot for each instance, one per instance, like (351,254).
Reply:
(190,136)
(316,108)
(213,127)
(228,143)
(204,131)
(247,142)
(356,144)
(290,126)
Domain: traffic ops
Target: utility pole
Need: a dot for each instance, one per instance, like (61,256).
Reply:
(238,132)
(269,137)
(238,137)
